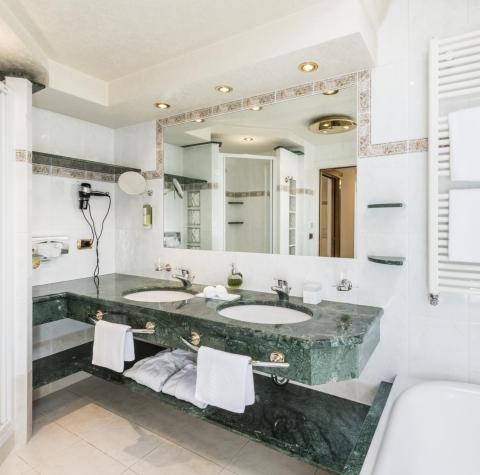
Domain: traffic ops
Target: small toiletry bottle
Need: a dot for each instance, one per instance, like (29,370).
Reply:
(147,216)
(235,279)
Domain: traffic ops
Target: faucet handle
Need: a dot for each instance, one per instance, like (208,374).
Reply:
(281,282)
(184,271)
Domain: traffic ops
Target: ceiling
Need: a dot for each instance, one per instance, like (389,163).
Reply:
(108,39)
(108,61)
(281,124)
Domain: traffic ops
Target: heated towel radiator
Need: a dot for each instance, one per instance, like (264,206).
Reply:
(454,83)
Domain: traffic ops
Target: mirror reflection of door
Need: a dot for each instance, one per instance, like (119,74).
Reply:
(337,212)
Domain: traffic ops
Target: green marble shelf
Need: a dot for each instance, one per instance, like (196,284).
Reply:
(386,205)
(387,260)
(334,345)
(330,432)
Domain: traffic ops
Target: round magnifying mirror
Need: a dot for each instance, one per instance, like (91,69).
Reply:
(132,183)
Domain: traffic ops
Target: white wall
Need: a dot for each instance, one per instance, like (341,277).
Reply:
(416,338)
(55,199)
(63,135)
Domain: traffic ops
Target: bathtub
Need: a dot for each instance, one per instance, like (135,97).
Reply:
(430,428)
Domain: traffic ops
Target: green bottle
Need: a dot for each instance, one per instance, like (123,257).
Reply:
(235,279)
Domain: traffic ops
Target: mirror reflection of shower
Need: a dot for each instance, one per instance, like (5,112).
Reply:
(248,204)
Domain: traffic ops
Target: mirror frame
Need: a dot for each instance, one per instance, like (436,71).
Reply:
(360,79)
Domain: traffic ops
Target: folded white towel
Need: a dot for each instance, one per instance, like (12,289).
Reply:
(464,226)
(112,345)
(224,380)
(182,385)
(154,371)
(219,292)
(464,144)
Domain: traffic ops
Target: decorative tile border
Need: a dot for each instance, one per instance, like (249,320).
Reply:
(68,167)
(361,79)
(24,156)
(246,194)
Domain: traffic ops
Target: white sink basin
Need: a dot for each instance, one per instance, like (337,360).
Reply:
(159,296)
(267,314)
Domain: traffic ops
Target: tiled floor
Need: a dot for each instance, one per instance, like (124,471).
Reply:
(97,428)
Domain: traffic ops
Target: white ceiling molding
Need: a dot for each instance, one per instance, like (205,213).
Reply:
(261,56)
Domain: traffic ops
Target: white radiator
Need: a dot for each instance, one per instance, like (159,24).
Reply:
(454,84)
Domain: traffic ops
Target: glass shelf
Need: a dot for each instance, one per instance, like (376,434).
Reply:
(387,260)
(386,205)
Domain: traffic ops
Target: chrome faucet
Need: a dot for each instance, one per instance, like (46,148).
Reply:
(282,289)
(185,277)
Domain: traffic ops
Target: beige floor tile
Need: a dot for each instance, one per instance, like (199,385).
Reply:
(57,405)
(86,419)
(80,459)
(208,440)
(171,459)
(122,440)
(256,459)
(321,472)
(47,441)
(14,465)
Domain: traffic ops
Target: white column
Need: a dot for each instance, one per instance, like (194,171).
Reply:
(21,249)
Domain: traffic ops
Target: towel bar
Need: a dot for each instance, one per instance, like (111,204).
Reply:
(148,330)
(276,356)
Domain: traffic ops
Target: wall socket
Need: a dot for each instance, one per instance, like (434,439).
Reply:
(84,243)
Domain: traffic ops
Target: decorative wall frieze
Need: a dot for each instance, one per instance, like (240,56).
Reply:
(24,156)
(246,194)
(68,167)
(361,79)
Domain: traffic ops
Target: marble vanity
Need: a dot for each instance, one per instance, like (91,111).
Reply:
(333,344)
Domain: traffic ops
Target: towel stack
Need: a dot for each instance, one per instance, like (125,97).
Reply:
(225,380)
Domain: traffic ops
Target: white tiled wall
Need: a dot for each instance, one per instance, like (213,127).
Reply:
(55,199)
(70,137)
(415,337)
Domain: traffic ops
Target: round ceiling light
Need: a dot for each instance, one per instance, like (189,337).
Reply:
(224,88)
(248,139)
(308,67)
(162,105)
(256,108)
(332,125)
(330,92)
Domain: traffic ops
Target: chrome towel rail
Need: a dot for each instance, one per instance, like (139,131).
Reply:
(148,330)
(277,358)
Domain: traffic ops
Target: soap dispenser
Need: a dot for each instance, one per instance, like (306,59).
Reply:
(235,279)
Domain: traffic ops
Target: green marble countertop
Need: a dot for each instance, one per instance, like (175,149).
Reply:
(333,324)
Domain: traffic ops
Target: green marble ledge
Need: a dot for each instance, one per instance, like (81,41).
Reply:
(328,431)
(334,345)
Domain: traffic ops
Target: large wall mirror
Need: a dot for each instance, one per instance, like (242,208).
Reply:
(275,179)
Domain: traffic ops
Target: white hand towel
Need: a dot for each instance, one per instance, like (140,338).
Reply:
(224,380)
(464,127)
(154,371)
(112,345)
(182,385)
(464,226)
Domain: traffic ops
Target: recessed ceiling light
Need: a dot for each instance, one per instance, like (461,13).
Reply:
(224,88)
(199,120)
(308,67)
(256,108)
(248,139)
(162,105)
(330,92)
